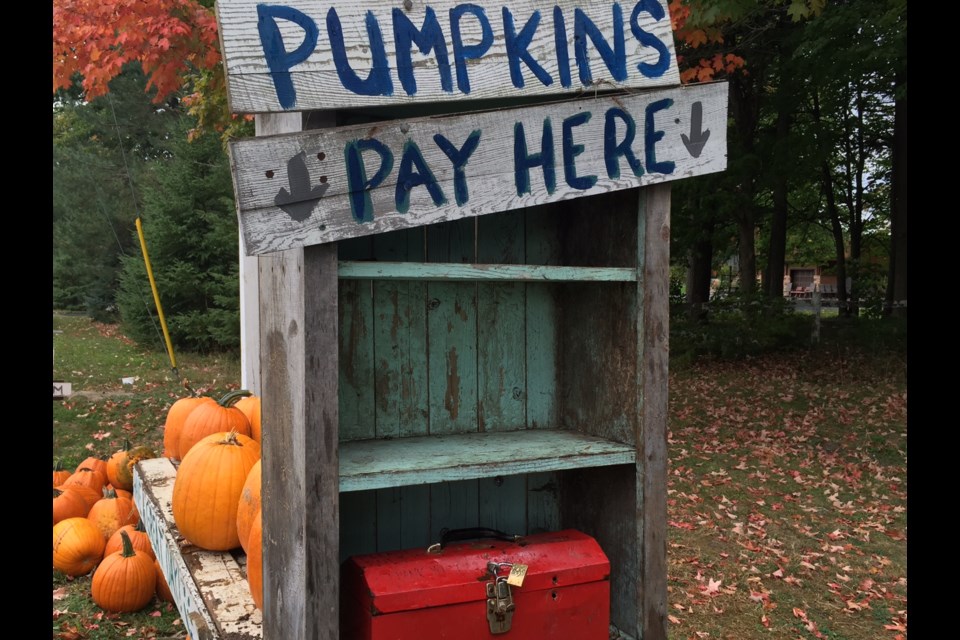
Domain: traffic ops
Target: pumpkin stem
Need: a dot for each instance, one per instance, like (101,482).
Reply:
(231,398)
(109,493)
(58,465)
(126,445)
(128,551)
(139,526)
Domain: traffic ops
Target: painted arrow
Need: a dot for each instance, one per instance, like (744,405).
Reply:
(298,203)
(698,138)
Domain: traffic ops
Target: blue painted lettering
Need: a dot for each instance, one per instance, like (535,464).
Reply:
(571,151)
(459,160)
(414,172)
(428,37)
(612,150)
(357,183)
(517,49)
(378,82)
(278,60)
(656,69)
(615,58)
(563,52)
(463,53)
(651,136)
(523,162)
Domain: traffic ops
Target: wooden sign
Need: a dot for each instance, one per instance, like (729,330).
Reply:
(306,54)
(331,184)
(62,389)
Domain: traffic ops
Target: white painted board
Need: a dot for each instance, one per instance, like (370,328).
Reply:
(209,588)
(321,186)
(306,54)
(62,389)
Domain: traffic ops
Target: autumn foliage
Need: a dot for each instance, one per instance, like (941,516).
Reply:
(96,38)
(695,35)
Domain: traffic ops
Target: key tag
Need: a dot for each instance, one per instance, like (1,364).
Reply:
(517,573)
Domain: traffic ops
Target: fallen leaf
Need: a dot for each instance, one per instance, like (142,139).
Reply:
(673,619)
(59,594)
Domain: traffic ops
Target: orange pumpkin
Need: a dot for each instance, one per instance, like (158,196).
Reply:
(60,474)
(96,479)
(138,537)
(112,512)
(176,416)
(125,467)
(162,588)
(255,560)
(249,504)
(114,461)
(250,405)
(125,581)
(69,503)
(77,546)
(95,463)
(209,418)
(207,489)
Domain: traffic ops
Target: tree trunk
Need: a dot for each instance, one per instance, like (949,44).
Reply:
(699,273)
(897,287)
(838,243)
(777,249)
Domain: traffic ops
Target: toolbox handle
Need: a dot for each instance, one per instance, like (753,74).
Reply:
(471,533)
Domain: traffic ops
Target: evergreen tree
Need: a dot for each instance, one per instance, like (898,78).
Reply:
(189,221)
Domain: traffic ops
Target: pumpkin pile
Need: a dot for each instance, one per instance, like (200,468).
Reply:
(216,502)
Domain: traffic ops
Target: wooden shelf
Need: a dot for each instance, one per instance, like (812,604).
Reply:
(456,271)
(379,464)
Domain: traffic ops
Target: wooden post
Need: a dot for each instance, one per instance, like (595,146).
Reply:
(298,366)
(653,329)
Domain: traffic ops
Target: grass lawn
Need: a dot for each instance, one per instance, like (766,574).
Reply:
(787,492)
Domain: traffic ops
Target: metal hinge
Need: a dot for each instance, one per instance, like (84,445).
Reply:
(500,606)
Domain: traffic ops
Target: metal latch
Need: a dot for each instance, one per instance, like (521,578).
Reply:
(500,606)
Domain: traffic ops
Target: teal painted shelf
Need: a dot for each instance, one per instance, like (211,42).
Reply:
(379,464)
(461,272)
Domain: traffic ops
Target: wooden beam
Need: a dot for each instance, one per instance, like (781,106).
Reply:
(299,371)
(653,331)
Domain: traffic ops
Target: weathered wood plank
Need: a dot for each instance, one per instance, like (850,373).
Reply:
(316,187)
(356,388)
(501,332)
(458,272)
(542,322)
(653,353)
(453,505)
(503,503)
(543,504)
(209,588)
(300,472)
(266,71)
(358,523)
(452,334)
(377,464)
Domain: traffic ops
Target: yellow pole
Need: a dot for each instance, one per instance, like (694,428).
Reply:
(156,296)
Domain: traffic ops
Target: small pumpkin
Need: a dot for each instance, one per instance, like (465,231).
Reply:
(249,504)
(250,405)
(114,461)
(69,503)
(176,417)
(112,512)
(138,537)
(77,546)
(255,560)
(125,467)
(96,479)
(60,474)
(207,489)
(95,463)
(162,589)
(210,418)
(125,581)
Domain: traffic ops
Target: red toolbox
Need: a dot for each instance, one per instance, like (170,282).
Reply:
(548,586)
